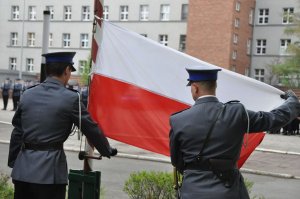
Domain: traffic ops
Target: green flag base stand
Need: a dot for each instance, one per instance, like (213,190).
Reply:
(84,185)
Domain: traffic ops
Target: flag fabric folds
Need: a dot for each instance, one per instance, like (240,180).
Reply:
(138,83)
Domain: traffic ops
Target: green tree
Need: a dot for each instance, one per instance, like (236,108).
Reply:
(289,70)
(84,75)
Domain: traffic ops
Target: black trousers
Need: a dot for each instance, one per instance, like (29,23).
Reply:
(16,100)
(25,190)
(5,100)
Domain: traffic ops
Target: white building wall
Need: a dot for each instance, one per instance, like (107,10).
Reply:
(153,28)
(273,32)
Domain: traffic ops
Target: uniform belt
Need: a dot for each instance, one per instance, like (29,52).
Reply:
(204,166)
(211,165)
(43,146)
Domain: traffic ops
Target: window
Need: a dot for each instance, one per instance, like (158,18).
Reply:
(251,16)
(124,13)
(31,39)
(184,12)
(66,40)
(106,12)
(165,12)
(32,13)
(237,23)
(82,64)
(67,13)
(287,15)
(29,65)
(259,74)
(50,39)
(14,39)
(144,12)
(235,38)
(263,16)
(85,13)
(12,63)
(163,39)
(233,68)
(249,41)
(182,41)
(261,46)
(234,54)
(84,40)
(238,6)
(51,9)
(247,71)
(15,13)
(284,43)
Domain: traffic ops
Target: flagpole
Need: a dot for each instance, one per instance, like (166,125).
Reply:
(89,148)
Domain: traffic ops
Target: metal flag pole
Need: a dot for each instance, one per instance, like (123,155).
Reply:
(45,43)
(85,184)
(89,148)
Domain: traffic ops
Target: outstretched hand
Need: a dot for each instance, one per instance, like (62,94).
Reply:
(114,152)
(287,94)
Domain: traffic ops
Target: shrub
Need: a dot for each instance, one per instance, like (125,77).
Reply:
(158,185)
(6,190)
(249,186)
(150,185)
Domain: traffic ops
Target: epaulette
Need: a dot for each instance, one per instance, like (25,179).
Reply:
(179,111)
(232,102)
(32,86)
(71,89)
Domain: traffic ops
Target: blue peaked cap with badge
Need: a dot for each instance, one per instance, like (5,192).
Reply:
(202,73)
(60,57)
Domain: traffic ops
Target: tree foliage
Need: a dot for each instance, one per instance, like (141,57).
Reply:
(84,76)
(289,70)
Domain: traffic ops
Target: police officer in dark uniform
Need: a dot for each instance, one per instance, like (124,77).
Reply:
(206,139)
(84,95)
(16,93)
(5,87)
(42,123)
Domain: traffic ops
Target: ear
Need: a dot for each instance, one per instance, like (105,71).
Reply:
(66,70)
(196,88)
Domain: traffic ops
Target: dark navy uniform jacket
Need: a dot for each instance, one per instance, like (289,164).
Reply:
(5,89)
(17,89)
(188,132)
(45,115)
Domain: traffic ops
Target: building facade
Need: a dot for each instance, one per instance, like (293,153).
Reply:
(21,34)
(220,32)
(269,39)
(244,36)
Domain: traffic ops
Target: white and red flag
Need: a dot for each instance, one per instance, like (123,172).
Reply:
(138,83)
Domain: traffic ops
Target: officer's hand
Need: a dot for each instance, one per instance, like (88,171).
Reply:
(287,94)
(114,152)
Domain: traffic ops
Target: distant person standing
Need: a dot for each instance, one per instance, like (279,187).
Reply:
(16,94)
(5,87)
(84,95)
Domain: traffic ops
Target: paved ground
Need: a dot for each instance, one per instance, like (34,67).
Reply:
(277,155)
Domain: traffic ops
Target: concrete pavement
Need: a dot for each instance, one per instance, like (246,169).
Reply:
(277,155)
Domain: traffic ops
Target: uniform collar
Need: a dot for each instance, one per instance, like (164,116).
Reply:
(54,81)
(205,99)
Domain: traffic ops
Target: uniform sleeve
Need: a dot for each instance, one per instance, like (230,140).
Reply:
(275,119)
(176,155)
(91,130)
(16,139)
